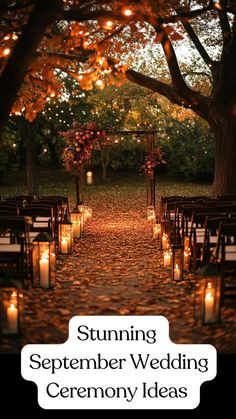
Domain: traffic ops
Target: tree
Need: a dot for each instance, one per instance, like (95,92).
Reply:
(101,32)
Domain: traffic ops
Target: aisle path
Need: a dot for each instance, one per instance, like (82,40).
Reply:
(116,269)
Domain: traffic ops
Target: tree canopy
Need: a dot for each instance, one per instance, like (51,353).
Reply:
(102,41)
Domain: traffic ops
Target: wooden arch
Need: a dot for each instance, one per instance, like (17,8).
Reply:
(149,140)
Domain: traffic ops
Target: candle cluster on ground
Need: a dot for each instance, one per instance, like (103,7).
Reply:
(11,306)
(167,258)
(151,214)
(89,178)
(178,258)
(44,261)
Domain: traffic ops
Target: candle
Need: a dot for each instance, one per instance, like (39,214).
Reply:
(82,223)
(151,215)
(12,319)
(156,230)
(89,178)
(186,242)
(64,246)
(164,241)
(187,254)
(167,259)
(76,230)
(176,272)
(87,213)
(13,299)
(44,270)
(209,305)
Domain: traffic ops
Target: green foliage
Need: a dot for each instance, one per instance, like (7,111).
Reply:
(189,151)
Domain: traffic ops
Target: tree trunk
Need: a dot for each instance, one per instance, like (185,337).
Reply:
(225,157)
(43,15)
(31,143)
(77,189)
(105,160)
(104,171)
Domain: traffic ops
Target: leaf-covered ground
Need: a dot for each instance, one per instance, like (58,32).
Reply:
(117,269)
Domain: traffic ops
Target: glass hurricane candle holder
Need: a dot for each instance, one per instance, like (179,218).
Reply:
(89,178)
(88,212)
(157,231)
(76,219)
(165,244)
(207,305)
(65,236)
(151,215)
(11,306)
(177,262)
(167,255)
(187,257)
(44,261)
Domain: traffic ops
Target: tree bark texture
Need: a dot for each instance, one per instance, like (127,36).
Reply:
(225,157)
(31,154)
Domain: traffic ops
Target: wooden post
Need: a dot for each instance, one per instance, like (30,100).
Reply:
(77,189)
(151,182)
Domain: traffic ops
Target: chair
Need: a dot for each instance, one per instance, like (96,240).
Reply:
(42,218)
(14,250)
(226,255)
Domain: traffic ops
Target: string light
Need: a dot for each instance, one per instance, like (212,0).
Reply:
(6,37)
(127,12)
(14,36)
(109,24)
(218,5)
(6,51)
(99,83)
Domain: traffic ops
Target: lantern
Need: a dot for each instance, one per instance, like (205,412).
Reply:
(76,219)
(165,244)
(81,210)
(186,242)
(89,178)
(157,231)
(167,254)
(151,215)
(208,295)
(11,306)
(177,262)
(65,235)
(165,235)
(44,261)
(88,212)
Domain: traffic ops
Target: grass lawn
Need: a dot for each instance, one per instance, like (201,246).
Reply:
(61,183)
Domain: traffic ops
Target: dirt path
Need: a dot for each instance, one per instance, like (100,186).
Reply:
(116,268)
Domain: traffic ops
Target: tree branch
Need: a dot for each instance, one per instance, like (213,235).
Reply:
(199,104)
(43,15)
(190,14)
(196,41)
(226,32)
(172,62)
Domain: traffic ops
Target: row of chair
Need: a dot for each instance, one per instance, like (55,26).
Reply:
(206,228)
(21,219)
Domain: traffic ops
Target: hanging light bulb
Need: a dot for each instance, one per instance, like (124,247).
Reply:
(99,83)
(109,24)
(127,12)
(6,51)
